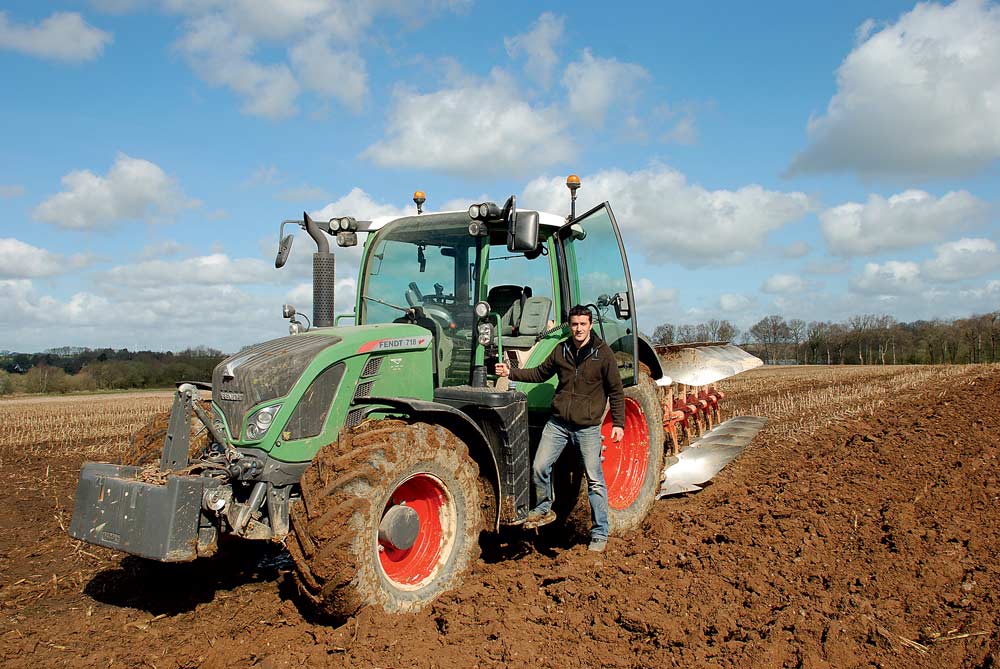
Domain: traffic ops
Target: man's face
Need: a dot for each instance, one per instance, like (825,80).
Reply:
(580,327)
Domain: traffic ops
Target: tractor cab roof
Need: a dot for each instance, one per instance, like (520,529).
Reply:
(546,221)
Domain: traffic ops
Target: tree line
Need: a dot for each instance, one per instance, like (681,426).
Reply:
(872,339)
(71,369)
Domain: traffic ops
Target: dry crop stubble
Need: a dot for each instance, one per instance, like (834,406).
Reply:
(99,424)
(803,399)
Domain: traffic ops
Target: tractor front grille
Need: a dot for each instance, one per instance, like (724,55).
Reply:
(372,367)
(262,372)
(355,417)
(363,390)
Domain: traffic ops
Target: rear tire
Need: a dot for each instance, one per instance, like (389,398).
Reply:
(632,489)
(341,564)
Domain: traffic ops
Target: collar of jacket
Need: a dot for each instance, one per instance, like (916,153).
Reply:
(595,346)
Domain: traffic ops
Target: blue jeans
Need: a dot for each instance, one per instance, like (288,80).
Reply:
(555,437)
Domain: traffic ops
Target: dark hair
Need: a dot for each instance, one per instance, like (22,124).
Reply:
(580,310)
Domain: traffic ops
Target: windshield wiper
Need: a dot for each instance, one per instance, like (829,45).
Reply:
(405,310)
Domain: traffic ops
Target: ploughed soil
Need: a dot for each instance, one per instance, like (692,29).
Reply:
(868,542)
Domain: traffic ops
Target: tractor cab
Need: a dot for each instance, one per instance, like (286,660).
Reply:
(463,277)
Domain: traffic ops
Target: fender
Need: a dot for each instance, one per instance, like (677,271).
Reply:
(459,423)
(648,357)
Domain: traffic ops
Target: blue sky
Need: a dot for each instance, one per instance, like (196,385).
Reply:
(816,160)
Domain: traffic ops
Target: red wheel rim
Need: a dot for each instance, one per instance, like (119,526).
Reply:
(413,567)
(625,462)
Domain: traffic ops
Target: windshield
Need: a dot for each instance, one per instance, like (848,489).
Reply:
(428,261)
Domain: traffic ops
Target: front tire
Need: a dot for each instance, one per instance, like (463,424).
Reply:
(373,475)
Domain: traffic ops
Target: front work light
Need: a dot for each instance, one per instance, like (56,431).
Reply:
(261,420)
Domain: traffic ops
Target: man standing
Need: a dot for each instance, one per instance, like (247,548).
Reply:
(588,378)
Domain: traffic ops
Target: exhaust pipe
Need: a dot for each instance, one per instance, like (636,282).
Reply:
(324,275)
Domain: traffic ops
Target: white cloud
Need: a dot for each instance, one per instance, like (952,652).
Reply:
(23,261)
(783,284)
(361,206)
(134,189)
(63,36)
(797,249)
(734,302)
(301,297)
(221,56)
(667,219)
(651,298)
(893,277)
(921,97)
(164,317)
(338,74)
(538,46)
(10,191)
(683,132)
(963,259)
(452,130)
(595,84)
(907,219)
(228,41)
(164,249)
(988,296)
(216,269)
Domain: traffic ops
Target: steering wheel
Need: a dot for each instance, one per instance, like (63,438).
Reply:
(435,310)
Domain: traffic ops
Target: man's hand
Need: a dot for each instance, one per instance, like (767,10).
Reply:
(617,434)
(502,369)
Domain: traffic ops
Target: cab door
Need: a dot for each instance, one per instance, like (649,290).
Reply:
(594,272)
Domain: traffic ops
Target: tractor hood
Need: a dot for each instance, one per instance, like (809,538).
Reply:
(263,372)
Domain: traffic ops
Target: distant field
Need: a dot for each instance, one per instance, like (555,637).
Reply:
(100,422)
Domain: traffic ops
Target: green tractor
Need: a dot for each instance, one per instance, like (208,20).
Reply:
(378,451)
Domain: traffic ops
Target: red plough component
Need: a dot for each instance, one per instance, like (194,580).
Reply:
(694,412)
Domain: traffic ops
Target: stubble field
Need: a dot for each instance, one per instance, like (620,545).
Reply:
(860,529)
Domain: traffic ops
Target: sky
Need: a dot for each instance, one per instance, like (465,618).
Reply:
(814,160)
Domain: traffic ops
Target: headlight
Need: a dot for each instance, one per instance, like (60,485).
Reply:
(474,211)
(482,309)
(260,420)
(485,331)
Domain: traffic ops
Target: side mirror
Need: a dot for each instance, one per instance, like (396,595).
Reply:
(522,232)
(622,311)
(284,248)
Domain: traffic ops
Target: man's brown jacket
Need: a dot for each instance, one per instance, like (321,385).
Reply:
(584,390)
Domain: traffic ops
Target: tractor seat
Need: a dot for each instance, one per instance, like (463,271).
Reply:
(508,300)
(532,321)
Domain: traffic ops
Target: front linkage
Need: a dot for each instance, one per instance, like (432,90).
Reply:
(175,512)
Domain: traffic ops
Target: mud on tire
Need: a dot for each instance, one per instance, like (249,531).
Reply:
(347,490)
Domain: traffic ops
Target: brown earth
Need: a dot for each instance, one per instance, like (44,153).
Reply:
(837,540)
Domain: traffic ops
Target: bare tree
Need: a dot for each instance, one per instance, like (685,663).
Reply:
(796,332)
(663,334)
